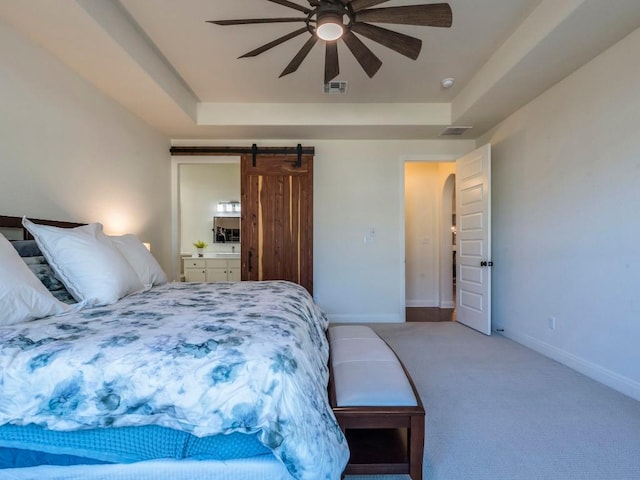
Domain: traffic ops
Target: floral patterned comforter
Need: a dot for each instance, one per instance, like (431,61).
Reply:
(202,358)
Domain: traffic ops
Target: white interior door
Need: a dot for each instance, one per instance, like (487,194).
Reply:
(473,216)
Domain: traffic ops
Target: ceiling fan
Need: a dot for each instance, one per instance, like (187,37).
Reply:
(331,20)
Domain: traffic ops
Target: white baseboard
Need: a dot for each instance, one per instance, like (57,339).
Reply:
(611,379)
(430,304)
(422,303)
(365,318)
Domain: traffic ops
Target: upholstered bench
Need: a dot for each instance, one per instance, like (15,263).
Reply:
(375,403)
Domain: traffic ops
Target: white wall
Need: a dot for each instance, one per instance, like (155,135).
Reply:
(359,185)
(67,152)
(566,193)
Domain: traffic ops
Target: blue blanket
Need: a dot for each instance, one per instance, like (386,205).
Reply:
(129,444)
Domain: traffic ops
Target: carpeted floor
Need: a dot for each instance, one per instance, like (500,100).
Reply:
(499,411)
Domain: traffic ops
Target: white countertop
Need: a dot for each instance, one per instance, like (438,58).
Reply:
(215,255)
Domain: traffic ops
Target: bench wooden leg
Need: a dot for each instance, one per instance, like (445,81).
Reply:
(388,423)
(416,447)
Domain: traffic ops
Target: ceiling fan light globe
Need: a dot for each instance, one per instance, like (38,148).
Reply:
(329,27)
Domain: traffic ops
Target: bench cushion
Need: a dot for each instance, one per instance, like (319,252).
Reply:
(366,372)
(372,384)
(341,332)
(360,350)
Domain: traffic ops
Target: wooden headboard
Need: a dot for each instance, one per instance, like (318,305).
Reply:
(15,224)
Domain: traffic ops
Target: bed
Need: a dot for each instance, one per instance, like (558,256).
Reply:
(178,380)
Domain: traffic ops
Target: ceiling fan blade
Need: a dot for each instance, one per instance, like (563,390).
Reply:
(358,5)
(275,43)
(399,42)
(432,15)
(248,21)
(365,57)
(300,56)
(295,6)
(331,65)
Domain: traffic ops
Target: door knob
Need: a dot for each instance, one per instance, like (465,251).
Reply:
(484,263)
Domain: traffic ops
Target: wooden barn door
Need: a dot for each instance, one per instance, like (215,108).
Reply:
(277,218)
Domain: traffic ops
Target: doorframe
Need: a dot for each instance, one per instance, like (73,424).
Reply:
(447,207)
(176,161)
(403,159)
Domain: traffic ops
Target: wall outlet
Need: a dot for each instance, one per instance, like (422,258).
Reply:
(551,323)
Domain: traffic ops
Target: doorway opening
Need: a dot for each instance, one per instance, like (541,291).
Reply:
(195,195)
(430,234)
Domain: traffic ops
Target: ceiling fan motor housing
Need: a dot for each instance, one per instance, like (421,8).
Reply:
(327,13)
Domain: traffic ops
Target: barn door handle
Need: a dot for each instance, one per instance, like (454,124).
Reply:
(484,263)
(250,262)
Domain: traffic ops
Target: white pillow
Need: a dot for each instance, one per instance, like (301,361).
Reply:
(145,265)
(22,296)
(86,262)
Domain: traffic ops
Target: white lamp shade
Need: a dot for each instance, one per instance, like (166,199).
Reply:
(329,26)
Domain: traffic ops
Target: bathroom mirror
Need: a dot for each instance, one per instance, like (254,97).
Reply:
(226,229)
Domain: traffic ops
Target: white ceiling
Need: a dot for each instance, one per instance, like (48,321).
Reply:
(161,60)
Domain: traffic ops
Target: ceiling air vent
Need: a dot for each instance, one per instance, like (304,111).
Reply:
(454,131)
(336,88)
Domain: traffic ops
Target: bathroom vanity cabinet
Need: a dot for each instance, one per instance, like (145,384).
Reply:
(212,269)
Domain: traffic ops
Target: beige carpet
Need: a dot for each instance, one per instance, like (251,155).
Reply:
(496,410)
